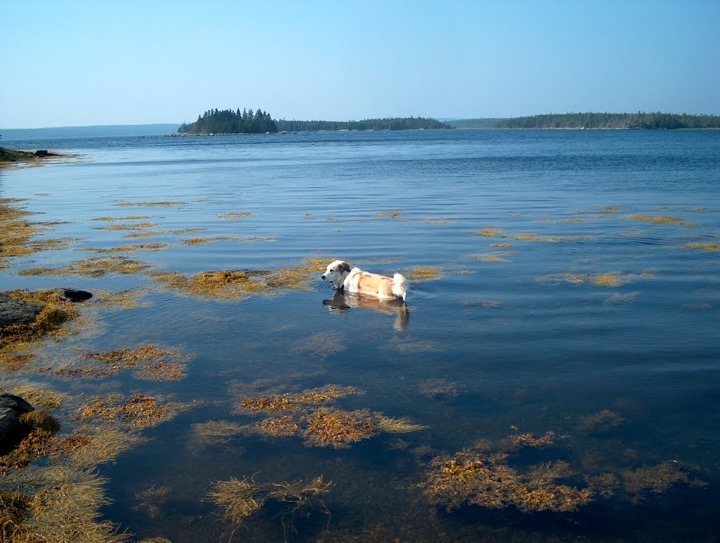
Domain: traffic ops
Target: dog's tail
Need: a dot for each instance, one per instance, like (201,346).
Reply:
(400,286)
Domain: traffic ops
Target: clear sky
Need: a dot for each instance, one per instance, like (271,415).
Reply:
(77,62)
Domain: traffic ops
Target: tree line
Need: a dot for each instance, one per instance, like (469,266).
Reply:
(638,120)
(227,121)
(393,123)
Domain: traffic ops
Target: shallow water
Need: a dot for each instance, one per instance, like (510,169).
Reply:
(558,292)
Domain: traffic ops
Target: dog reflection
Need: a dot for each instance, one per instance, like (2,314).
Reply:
(343,301)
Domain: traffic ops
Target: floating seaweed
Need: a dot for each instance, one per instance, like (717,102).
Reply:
(17,233)
(279,426)
(605,280)
(235,215)
(38,397)
(642,482)
(126,218)
(137,411)
(94,444)
(397,425)
(157,233)
(128,226)
(238,284)
(490,233)
(327,427)
(388,214)
(307,414)
(713,247)
(130,248)
(661,219)
(297,402)
(469,477)
(150,363)
(215,239)
(427,273)
(94,267)
(542,239)
(67,508)
(492,258)
(150,204)
(240,499)
(436,220)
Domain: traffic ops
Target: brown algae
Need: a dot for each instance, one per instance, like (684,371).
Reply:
(388,214)
(137,411)
(94,267)
(469,477)
(240,499)
(150,204)
(645,481)
(713,247)
(152,362)
(235,215)
(427,273)
(216,239)
(239,284)
(18,233)
(129,248)
(307,414)
(661,219)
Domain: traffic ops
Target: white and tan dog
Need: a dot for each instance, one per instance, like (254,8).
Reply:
(357,281)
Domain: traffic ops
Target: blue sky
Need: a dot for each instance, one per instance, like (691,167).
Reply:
(75,63)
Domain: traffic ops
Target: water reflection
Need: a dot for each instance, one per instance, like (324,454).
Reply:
(342,302)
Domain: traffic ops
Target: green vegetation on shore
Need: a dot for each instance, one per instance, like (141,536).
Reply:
(394,123)
(227,121)
(638,120)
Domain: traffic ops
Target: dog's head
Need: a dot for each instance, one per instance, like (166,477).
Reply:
(336,272)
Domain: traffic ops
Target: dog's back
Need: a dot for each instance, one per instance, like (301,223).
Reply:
(373,284)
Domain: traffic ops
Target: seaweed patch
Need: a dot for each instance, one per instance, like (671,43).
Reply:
(241,499)
(308,414)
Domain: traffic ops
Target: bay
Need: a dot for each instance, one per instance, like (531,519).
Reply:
(563,284)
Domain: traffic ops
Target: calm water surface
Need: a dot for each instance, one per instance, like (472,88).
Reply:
(562,298)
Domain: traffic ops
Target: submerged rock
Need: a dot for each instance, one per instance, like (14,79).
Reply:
(11,429)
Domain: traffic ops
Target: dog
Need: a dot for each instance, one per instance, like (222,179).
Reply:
(357,281)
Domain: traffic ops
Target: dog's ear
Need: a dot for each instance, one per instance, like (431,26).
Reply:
(344,267)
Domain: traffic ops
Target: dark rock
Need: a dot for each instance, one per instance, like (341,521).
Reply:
(75,295)
(41,152)
(13,311)
(12,431)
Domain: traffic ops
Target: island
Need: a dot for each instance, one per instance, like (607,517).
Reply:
(247,121)
(637,121)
